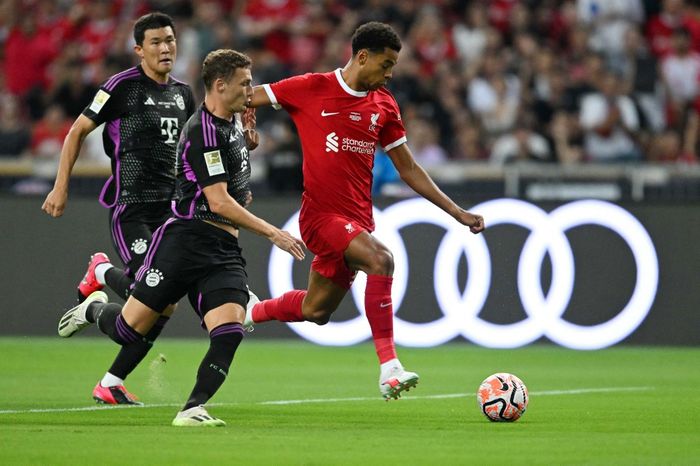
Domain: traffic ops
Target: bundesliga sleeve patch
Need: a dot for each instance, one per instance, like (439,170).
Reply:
(99,101)
(214,164)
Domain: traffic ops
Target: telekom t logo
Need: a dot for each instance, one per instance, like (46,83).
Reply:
(168,127)
(332,142)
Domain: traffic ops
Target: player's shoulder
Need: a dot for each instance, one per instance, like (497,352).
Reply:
(310,78)
(384,95)
(173,81)
(121,78)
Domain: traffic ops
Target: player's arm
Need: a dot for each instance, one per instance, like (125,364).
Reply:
(416,177)
(55,201)
(221,203)
(260,97)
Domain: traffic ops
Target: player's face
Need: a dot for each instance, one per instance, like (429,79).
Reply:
(378,68)
(238,91)
(158,51)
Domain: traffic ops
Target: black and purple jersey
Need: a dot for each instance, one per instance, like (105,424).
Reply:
(211,150)
(142,120)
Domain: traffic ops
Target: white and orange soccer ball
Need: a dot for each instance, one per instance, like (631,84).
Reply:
(502,397)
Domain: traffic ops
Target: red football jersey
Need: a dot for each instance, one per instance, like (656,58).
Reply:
(339,130)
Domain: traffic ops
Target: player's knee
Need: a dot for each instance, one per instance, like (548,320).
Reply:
(383,263)
(318,317)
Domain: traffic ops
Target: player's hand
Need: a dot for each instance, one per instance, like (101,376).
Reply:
(473,221)
(55,202)
(248,199)
(286,242)
(252,137)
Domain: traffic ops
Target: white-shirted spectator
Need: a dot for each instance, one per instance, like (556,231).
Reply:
(608,119)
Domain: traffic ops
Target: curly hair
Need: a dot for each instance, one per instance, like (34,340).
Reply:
(375,37)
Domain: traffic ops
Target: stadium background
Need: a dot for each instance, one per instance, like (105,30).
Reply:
(496,97)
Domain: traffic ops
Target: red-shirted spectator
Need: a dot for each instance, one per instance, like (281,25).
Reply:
(660,27)
(49,133)
(270,20)
(29,51)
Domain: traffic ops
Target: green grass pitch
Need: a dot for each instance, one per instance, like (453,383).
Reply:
(290,402)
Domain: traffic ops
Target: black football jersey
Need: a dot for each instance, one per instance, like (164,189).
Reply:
(142,120)
(210,150)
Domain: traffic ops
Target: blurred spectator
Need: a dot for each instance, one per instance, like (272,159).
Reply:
(609,21)
(495,96)
(468,144)
(639,68)
(49,133)
(14,132)
(520,145)
(668,147)
(659,29)
(424,142)
(680,70)
(28,53)
(72,93)
(609,119)
(469,36)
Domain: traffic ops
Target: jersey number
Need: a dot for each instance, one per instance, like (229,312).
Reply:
(168,127)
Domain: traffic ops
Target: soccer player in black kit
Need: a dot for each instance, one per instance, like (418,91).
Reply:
(143,109)
(196,251)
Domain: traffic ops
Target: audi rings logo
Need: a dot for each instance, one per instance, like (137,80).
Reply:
(461,308)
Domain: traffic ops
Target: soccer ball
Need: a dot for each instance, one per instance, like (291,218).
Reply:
(502,397)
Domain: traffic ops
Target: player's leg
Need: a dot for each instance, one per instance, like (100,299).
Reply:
(137,231)
(131,229)
(223,314)
(128,327)
(316,304)
(368,254)
(329,278)
(154,292)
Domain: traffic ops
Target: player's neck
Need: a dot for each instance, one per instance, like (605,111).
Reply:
(217,108)
(157,77)
(350,76)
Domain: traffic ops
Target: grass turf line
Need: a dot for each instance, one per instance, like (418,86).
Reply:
(626,427)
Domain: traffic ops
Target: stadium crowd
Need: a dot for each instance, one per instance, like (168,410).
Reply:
(561,81)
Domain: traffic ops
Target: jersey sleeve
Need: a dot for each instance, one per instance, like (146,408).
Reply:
(202,156)
(106,105)
(290,93)
(393,133)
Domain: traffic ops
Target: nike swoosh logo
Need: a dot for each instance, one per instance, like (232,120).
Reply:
(325,114)
(385,305)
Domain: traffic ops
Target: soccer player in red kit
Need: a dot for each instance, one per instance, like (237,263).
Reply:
(342,116)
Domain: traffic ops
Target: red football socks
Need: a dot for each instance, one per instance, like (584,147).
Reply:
(379,311)
(285,308)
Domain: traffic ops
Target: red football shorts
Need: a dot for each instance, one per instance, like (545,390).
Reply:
(328,236)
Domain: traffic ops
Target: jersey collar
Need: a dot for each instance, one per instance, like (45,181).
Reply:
(347,88)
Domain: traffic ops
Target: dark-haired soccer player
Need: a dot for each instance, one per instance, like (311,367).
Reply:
(143,109)
(341,117)
(196,252)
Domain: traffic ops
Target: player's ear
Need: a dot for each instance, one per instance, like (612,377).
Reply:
(219,85)
(362,56)
(139,50)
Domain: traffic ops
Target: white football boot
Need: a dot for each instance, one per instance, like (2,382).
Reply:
(74,320)
(196,417)
(393,380)
(248,323)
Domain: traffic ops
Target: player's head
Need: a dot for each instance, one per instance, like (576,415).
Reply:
(154,35)
(227,77)
(375,48)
